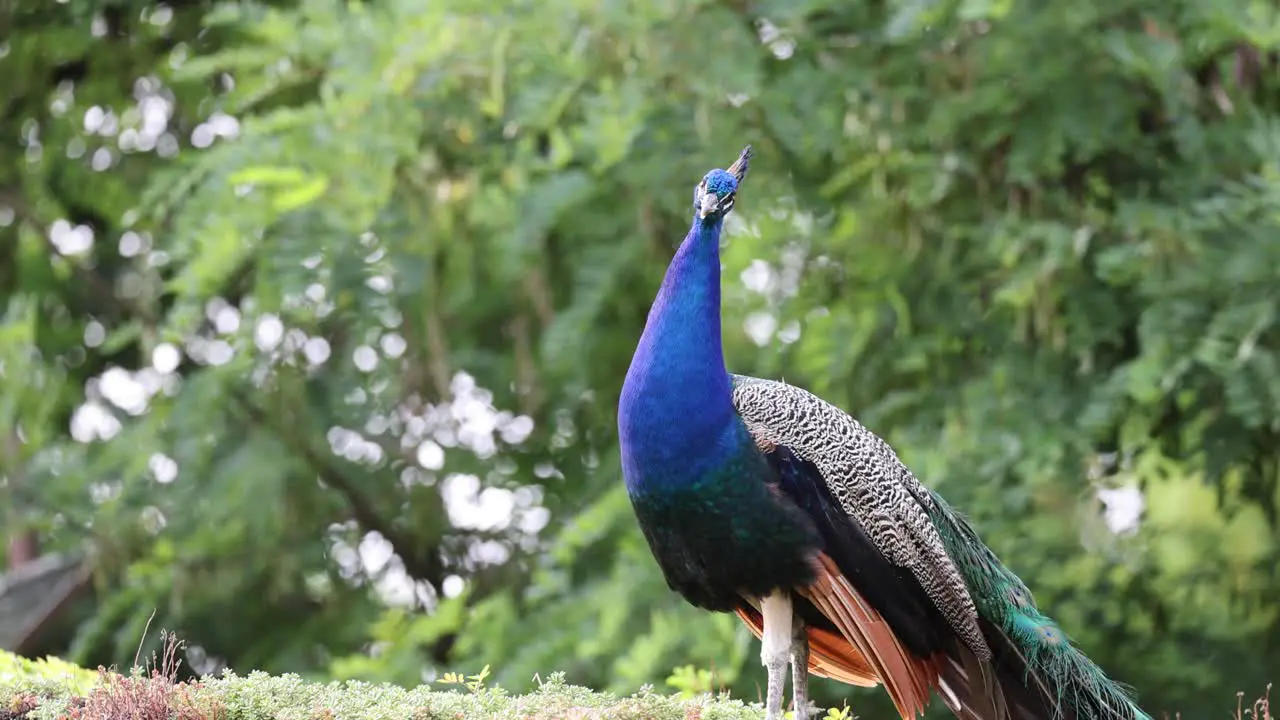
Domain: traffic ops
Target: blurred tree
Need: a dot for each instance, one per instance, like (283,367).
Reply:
(330,304)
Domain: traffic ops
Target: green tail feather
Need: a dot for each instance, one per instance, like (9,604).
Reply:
(1004,600)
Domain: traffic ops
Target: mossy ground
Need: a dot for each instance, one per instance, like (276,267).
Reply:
(55,690)
(288,697)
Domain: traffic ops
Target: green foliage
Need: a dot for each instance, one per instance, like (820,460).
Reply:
(400,637)
(356,270)
(474,683)
(690,681)
(46,672)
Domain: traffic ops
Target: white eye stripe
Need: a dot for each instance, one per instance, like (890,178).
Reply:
(725,203)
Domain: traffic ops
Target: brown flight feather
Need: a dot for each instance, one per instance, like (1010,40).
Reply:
(908,680)
(830,655)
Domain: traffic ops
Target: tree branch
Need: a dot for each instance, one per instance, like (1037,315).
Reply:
(425,565)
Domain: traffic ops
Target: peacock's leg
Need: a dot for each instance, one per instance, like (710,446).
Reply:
(775,648)
(800,670)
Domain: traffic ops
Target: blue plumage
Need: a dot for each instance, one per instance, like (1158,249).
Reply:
(695,477)
(677,377)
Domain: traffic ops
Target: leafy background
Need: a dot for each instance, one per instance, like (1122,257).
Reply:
(315,314)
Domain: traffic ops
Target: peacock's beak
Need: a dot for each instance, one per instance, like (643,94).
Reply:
(709,203)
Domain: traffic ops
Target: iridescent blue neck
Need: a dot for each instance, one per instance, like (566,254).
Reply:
(676,413)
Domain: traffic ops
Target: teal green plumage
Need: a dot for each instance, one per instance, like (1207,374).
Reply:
(1070,676)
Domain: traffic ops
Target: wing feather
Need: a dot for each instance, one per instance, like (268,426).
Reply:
(909,680)
(870,484)
(901,575)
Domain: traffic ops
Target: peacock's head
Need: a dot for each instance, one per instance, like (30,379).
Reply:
(714,196)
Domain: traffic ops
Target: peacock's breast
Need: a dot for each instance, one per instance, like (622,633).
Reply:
(725,533)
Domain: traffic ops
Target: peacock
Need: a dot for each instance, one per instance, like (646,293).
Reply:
(759,498)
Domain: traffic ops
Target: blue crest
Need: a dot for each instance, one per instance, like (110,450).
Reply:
(720,182)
